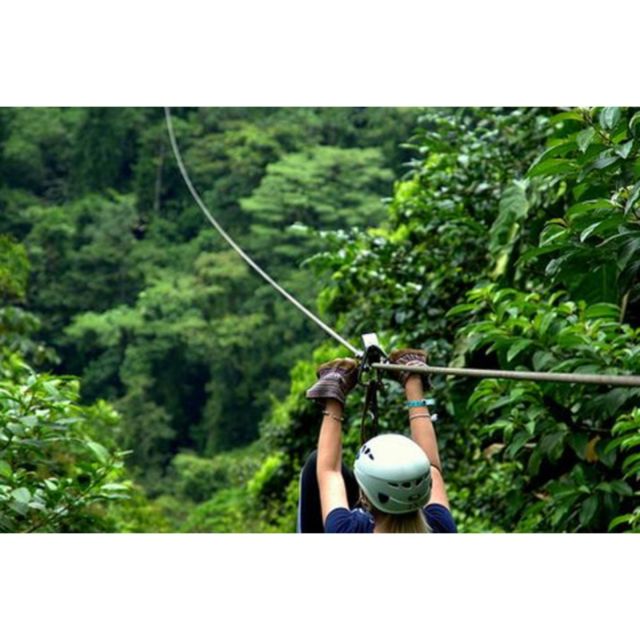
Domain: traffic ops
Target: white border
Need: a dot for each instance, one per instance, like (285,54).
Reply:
(496,586)
(330,53)
(326,54)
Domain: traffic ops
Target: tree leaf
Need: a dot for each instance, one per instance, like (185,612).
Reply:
(601,228)
(633,198)
(634,125)
(543,360)
(513,209)
(588,510)
(620,520)
(114,486)
(578,442)
(567,115)
(553,167)
(518,441)
(5,469)
(589,205)
(630,460)
(99,451)
(609,117)
(624,150)
(621,488)
(553,444)
(517,347)
(21,495)
(461,308)
(584,138)
(604,160)
(602,310)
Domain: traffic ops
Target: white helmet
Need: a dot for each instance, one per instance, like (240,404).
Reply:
(394,473)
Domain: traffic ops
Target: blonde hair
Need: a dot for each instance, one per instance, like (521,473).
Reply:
(412,522)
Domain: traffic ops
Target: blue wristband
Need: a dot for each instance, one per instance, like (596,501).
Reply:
(419,403)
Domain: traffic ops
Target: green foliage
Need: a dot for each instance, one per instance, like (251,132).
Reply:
(82,258)
(500,252)
(105,149)
(560,435)
(321,187)
(55,474)
(197,478)
(37,152)
(14,268)
(139,296)
(509,242)
(591,249)
(435,241)
(164,352)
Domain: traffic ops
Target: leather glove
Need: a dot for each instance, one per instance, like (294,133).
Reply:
(409,357)
(335,379)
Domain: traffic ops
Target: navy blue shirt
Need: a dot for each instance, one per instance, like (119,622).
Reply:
(341,520)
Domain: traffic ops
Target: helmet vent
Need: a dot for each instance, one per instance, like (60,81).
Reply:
(406,485)
(383,497)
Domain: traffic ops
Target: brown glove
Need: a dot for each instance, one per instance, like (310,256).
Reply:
(409,357)
(335,379)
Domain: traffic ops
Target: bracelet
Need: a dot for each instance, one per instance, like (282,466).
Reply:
(420,415)
(419,403)
(333,415)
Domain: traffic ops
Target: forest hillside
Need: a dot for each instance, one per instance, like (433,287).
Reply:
(150,382)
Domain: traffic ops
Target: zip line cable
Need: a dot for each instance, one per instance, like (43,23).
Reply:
(536,376)
(238,250)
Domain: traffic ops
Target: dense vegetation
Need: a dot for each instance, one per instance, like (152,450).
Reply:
(149,382)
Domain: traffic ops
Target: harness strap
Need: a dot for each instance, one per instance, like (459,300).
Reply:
(370,410)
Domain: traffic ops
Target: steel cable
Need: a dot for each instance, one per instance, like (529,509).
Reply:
(536,376)
(238,250)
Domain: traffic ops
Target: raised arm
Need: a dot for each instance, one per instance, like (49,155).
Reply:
(333,492)
(422,429)
(335,380)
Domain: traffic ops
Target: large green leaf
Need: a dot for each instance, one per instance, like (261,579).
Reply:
(21,494)
(609,117)
(602,310)
(512,211)
(633,198)
(517,347)
(99,451)
(584,138)
(567,115)
(588,510)
(553,167)
(5,469)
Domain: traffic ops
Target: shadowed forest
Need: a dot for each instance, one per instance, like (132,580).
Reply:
(150,382)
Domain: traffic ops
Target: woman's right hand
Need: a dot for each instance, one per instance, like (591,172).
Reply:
(336,379)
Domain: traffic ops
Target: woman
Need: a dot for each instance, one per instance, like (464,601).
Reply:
(397,481)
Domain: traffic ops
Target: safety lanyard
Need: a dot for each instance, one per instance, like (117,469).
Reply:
(369,429)
(372,353)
